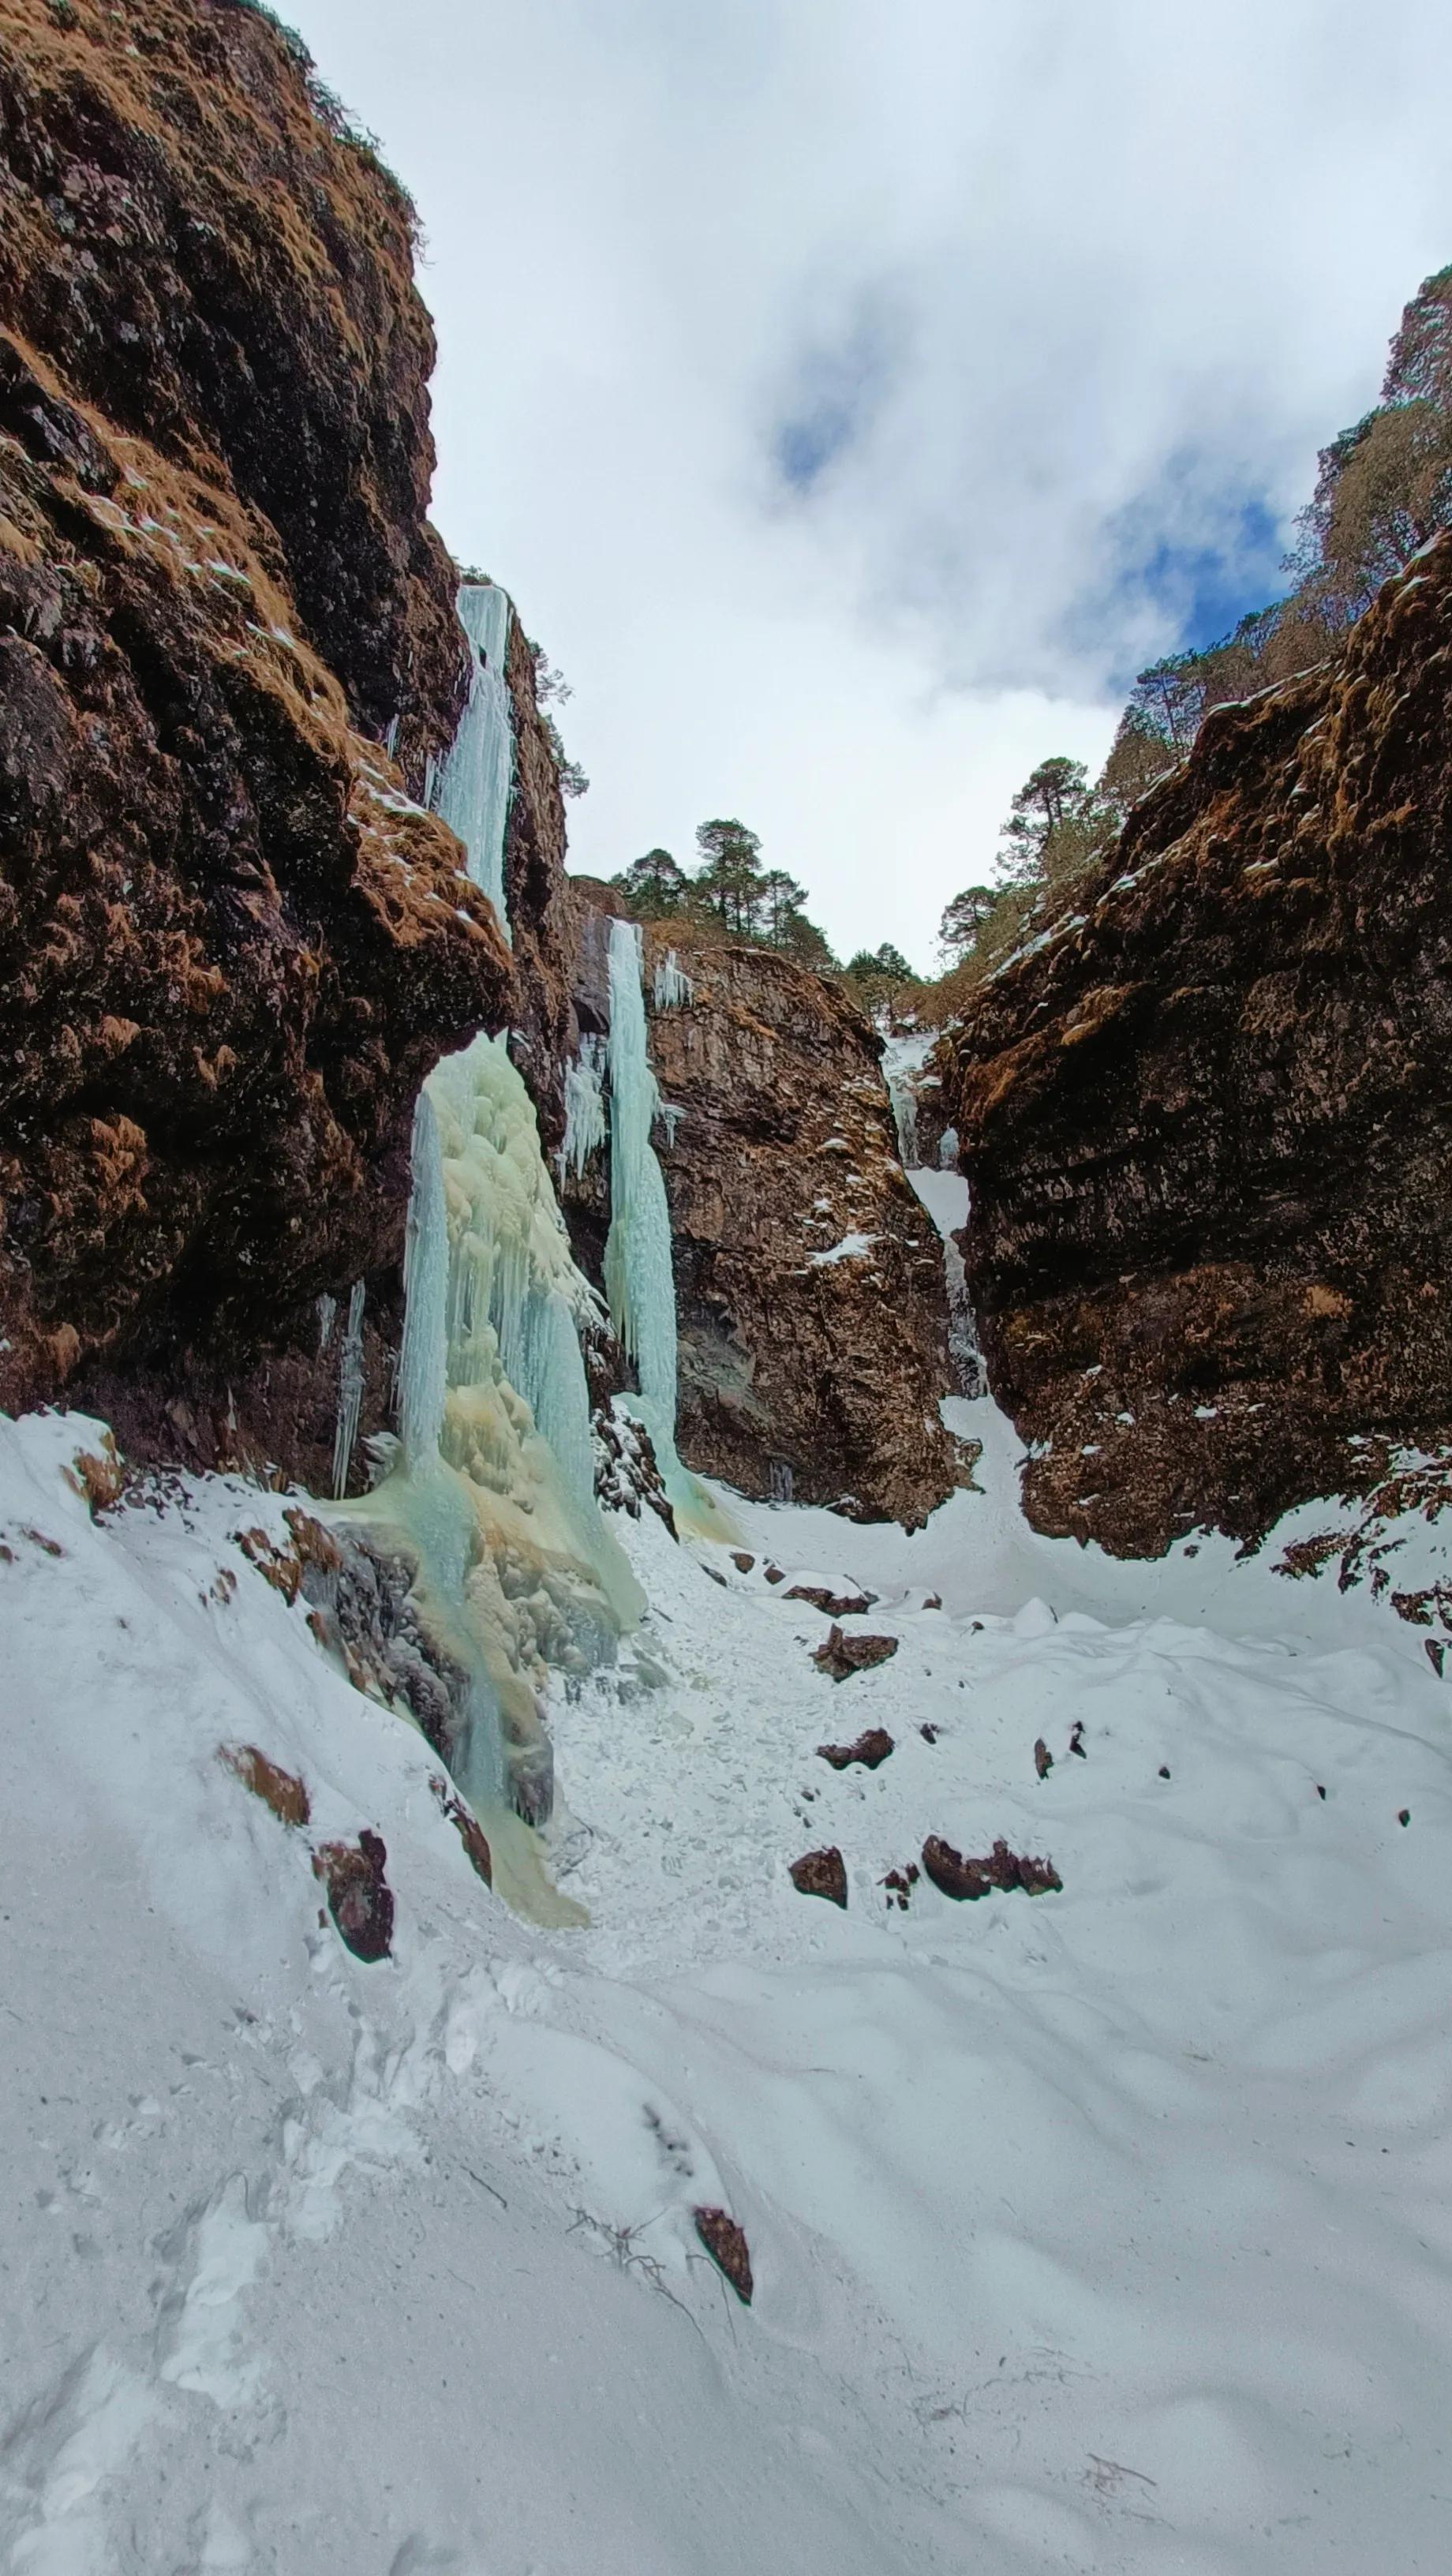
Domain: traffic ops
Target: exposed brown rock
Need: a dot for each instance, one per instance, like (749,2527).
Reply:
(360,1899)
(100,1477)
(467,1826)
(363,1611)
(1043,1759)
(726,2244)
(229,946)
(821,1873)
(1208,1124)
(967,1880)
(842,1656)
(797,1374)
(280,1790)
(834,1605)
(870,1750)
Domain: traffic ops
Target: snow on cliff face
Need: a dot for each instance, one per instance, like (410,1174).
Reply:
(1101,2230)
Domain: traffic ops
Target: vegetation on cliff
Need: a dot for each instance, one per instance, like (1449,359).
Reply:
(1383,490)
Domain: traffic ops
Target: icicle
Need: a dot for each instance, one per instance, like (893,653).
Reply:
(948,1150)
(639,1279)
(585,1128)
(673,986)
(670,1115)
(390,736)
(350,1390)
(471,791)
(904,1110)
(327,1317)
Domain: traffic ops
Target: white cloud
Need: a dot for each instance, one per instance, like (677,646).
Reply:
(1030,297)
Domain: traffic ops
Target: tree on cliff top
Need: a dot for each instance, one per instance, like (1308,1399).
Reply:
(731,894)
(654,888)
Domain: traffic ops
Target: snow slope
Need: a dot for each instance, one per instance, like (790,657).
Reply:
(1105,2230)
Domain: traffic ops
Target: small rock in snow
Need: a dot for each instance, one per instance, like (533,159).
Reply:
(280,1790)
(821,1873)
(726,2244)
(742,1562)
(1001,1869)
(870,1750)
(1043,1759)
(834,1605)
(842,1656)
(467,1826)
(360,1899)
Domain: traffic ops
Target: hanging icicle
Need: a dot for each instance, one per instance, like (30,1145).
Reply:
(585,1127)
(673,986)
(350,1390)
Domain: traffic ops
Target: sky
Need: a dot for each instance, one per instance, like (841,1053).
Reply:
(853,394)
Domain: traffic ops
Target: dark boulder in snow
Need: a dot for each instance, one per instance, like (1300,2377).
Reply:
(726,2244)
(1002,1869)
(870,1750)
(821,1873)
(835,1605)
(842,1656)
(360,1899)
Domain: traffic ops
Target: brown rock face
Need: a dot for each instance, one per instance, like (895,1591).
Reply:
(1208,1127)
(230,946)
(809,1283)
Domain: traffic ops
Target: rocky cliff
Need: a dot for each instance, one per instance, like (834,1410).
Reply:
(809,1282)
(1207,1122)
(231,943)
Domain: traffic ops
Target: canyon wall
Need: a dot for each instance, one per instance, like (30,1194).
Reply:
(809,1281)
(1207,1121)
(231,942)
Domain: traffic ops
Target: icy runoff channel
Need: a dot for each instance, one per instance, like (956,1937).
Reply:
(1104,2231)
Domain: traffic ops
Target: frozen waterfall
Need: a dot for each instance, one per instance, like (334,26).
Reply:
(639,1280)
(639,1274)
(471,792)
(490,1487)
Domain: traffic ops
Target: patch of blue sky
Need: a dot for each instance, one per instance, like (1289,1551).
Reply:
(1183,565)
(833,391)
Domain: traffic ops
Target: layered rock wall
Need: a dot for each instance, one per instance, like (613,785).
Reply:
(1207,1123)
(231,944)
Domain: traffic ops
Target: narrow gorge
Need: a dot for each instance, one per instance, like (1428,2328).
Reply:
(725,1719)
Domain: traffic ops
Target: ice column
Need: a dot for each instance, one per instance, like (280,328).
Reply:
(350,1390)
(639,1279)
(424,1357)
(471,792)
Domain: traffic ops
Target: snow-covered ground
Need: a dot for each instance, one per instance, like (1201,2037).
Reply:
(1102,2230)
